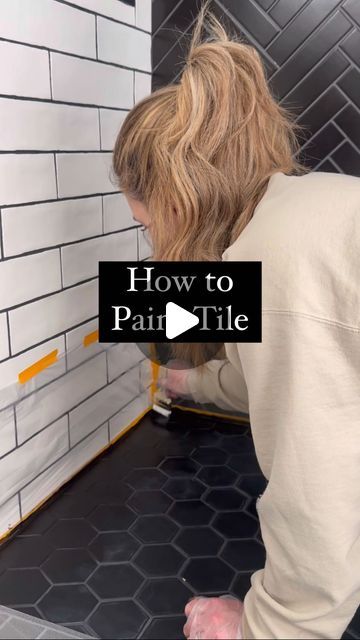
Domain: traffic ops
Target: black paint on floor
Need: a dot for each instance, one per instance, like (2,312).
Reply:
(167,513)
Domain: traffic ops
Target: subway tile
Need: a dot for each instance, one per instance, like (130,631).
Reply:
(52,223)
(4,342)
(142,85)
(46,405)
(129,413)
(52,479)
(353,9)
(36,321)
(46,126)
(310,54)
(327,166)
(322,144)
(317,81)
(9,514)
(90,82)
(349,121)
(300,28)
(10,369)
(348,159)
(179,21)
(145,249)
(266,4)
(283,11)
(117,213)
(121,357)
(322,111)
(146,374)
(80,261)
(352,46)
(7,430)
(24,71)
(110,124)
(76,353)
(42,450)
(82,174)
(111,8)
(350,84)
(144,14)
(123,45)
(160,11)
(26,178)
(48,24)
(103,404)
(28,277)
(249,16)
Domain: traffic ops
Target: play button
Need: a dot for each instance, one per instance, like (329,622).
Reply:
(178,320)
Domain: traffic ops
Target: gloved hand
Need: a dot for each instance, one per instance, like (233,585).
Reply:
(214,618)
(173,379)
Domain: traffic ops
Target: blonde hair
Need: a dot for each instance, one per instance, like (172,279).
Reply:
(199,154)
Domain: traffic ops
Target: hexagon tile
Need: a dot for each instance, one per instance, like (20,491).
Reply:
(166,514)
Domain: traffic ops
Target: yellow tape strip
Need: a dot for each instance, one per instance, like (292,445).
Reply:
(90,338)
(37,367)
(155,369)
(226,416)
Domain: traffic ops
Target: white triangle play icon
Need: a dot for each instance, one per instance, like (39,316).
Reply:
(178,320)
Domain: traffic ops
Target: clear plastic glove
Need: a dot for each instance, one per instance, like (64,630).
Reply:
(214,618)
(173,379)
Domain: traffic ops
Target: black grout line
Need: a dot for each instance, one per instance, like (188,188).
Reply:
(68,426)
(56,176)
(50,77)
(20,509)
(61,199)
(16,429)
(102,216)
(61,269)
(65,103)
(96,38)
(9,340)
(59,152)
(99,121)
(1,238)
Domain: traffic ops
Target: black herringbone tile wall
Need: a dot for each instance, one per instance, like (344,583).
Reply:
(311,51)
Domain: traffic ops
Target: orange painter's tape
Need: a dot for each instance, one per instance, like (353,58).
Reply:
(90,338)
(38,366)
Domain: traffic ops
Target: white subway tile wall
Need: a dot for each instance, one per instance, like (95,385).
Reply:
(110,123)
(69,73)
(117,213)
(47,224)
(90,82)
(4,337)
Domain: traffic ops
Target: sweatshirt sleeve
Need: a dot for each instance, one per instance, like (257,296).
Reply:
(304,394)
(219,383)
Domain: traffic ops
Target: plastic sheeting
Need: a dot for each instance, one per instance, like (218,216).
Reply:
(59,413)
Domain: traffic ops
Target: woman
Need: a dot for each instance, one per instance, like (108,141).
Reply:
(209,167)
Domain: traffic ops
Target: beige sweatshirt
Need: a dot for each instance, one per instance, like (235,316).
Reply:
(301,388)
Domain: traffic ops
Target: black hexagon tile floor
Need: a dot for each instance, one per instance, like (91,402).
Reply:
(166,514)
